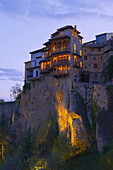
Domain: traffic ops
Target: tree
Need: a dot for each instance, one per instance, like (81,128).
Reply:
(25,150)
(110,67)
(15,91)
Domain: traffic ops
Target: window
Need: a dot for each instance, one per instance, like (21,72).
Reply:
(101,57)
(59,44)
(62,33)
(80,41)
(42,65)
(80,64)
(74,48)
(80,53)
(64,44)
(92,49)
(94,58)
(64,57)
(54,46)
(75,58)
(99,49)
(85,66)
(85,57)
(42,55)
(85,50)
(95,65)
(102,38)
(36,73)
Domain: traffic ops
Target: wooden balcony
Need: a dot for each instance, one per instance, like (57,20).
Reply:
(76,64)
(61,49)
(59,73)
(61,62)
(47,69)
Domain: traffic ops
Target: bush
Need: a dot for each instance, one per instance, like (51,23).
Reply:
(110,67)
(62,151)
(106,160)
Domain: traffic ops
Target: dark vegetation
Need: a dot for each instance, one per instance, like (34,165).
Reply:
(44,148)
(110,67)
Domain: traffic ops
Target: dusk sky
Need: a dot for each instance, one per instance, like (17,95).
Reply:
(26,24)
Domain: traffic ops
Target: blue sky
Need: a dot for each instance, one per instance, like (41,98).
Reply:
(26,24)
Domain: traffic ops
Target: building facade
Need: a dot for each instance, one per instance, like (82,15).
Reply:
(32,67)
(95,59)
(63,53)
(60,57)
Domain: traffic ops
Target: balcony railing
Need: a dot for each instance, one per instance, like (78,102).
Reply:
(61,72)
(61,62)
(46,69)
(76,64)
(60,49)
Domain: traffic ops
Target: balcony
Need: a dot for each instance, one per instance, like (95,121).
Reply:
(61,49)
(47,69)
(61,62)
(76,64)
(59,73)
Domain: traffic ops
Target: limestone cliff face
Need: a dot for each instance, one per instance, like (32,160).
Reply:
(70,107)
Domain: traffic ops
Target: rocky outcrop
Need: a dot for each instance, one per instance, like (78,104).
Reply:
(104,132)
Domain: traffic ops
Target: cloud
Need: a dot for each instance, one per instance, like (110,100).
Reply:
(57,8)
(11,74)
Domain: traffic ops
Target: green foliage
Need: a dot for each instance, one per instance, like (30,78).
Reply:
(62,151)
(27,86)
(45,135)
(110,67)
(25,150)
(91,128)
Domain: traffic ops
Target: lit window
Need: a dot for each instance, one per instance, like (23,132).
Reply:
(54,46)
(80,64)
(42,65)
(80,41)
(80,53)
(75,58)
(64,67)
(54,59)
(69,57)
(64,57)
(62,33)
(74,48)
(42,55)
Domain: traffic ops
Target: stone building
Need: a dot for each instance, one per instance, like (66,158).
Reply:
(63,53)
(32,68)
(96,55)
(61,56)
